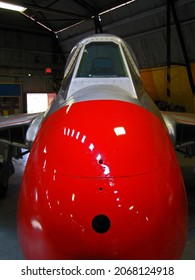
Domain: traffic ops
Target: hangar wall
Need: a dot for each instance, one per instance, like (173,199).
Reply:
(24,58)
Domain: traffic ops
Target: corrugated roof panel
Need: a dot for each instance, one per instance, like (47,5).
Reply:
(148,54)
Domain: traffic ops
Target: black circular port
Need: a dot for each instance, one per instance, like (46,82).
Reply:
(101,223)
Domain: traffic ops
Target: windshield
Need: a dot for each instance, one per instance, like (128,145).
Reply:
(101,60)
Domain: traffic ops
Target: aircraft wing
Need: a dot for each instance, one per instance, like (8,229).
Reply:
(181,127)
(13,128)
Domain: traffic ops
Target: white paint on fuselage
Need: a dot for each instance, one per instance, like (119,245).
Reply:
(123,83)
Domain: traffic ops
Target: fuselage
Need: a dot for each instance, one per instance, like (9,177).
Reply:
(102,180)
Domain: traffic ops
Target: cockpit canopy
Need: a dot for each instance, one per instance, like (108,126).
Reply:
(102,67)
(101,60)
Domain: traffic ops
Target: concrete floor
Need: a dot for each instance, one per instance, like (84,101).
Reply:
(9,248)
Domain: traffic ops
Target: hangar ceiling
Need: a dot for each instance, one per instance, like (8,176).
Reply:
(141,23)
(58,15)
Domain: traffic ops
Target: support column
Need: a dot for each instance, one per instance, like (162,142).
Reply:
(168,48)
(183,47)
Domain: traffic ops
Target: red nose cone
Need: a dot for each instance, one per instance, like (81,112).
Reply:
(102,182)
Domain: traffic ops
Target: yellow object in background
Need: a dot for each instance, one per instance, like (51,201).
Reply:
(155,83)
(5,112)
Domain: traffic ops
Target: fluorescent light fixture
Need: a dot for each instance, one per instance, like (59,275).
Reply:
(117,7)
(12,7)
(66,28)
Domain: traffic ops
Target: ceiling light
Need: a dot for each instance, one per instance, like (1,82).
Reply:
(12,7)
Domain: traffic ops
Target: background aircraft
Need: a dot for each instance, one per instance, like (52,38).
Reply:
(102,180)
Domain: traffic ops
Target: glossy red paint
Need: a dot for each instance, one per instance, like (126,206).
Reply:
(109,158)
